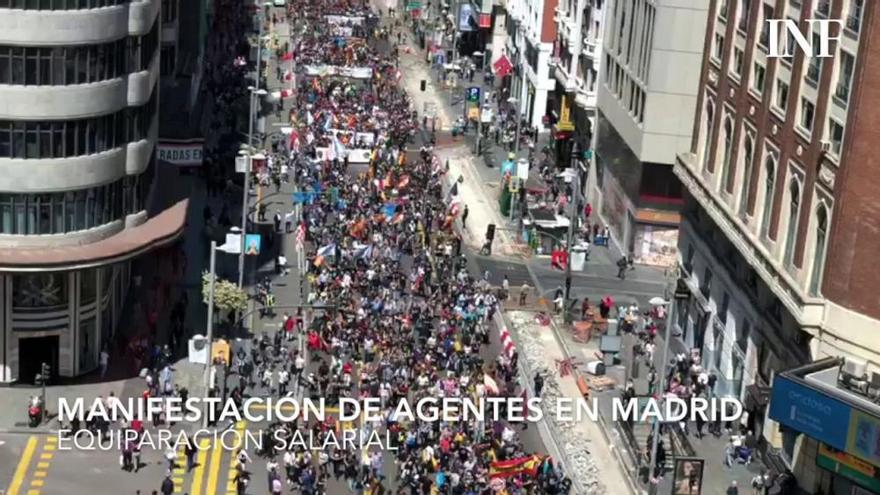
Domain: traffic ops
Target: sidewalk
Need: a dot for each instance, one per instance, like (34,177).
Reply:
(587,450)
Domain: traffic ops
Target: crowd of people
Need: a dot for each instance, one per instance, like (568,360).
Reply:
(394,312)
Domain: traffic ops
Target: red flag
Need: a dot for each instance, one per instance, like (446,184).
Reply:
(287,57)
(502,66)
(522,465)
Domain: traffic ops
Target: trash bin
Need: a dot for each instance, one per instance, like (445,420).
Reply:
(578,258)
(596,368)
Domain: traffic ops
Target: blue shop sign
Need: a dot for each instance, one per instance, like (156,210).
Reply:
(810,412)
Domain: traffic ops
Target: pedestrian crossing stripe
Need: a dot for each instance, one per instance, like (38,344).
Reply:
(199,471)
(230,475)
(214,469)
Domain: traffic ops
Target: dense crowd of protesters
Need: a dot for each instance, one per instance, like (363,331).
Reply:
(394,312)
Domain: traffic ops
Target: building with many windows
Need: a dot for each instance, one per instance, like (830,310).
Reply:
(647,92)
(78,125)
(531,31)
(576,64)
(780,228)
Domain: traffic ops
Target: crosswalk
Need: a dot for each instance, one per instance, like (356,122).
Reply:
(208,476)
(33,466)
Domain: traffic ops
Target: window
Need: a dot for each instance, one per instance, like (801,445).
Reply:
(719,347)
(168,60)
(706,283)
(58,4)
(62,139)
(748,150)
(807,111)
(815,66)
(745,8)
(718,52)
(707,144)
(781,95)
(835,136)
(725,306)
(794,208)
(844,77)
(819,250)
(758,79)
(854,19)
(737,62)
(742,337)
(769,188)
(169,11)
(722,10)
(764,37)
(728,145)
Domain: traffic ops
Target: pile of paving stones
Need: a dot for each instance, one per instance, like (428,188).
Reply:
(576,459)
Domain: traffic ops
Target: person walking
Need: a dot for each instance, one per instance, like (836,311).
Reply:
(167,485)
(464,217)
(622,265)
(190,453)
(524,294)
(104,361)
(539,384)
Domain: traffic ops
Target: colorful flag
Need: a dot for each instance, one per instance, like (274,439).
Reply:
(327,250)
(301,234)
(521,465)
(287,57)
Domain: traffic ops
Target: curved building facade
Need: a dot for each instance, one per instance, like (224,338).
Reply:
(78,127)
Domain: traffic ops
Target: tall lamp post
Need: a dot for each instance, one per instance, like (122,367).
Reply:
(209,326)
(661,375)
(255,92)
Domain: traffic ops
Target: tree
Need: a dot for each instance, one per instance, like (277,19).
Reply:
(227,295)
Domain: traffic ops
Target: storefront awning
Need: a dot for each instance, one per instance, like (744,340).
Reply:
(657,217)
(814,400)
(155,232)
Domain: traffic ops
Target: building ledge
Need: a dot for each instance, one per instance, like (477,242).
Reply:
(808,311)
(160,230)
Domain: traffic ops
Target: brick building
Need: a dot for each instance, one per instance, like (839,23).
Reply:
(781,222)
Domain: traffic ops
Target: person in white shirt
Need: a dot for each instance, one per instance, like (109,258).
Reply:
(104,361)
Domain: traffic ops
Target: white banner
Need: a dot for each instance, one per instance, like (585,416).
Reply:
(183,153)
(334,20)
(336,70)
(345,31)
(358,155)
(349,138)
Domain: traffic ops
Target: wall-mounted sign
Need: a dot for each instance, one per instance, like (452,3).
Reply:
(184,152)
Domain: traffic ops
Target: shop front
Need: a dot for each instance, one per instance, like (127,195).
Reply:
(840,449)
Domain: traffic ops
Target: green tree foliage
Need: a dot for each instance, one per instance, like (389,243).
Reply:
(227,295)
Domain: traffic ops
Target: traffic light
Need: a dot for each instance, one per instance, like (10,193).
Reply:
(42,377)
(490,232)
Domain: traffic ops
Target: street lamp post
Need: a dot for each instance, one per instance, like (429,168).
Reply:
(245,193)
(661,376)
(209,337)
(572,220)
(514,101)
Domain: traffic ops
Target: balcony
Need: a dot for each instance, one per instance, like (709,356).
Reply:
(823,8)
